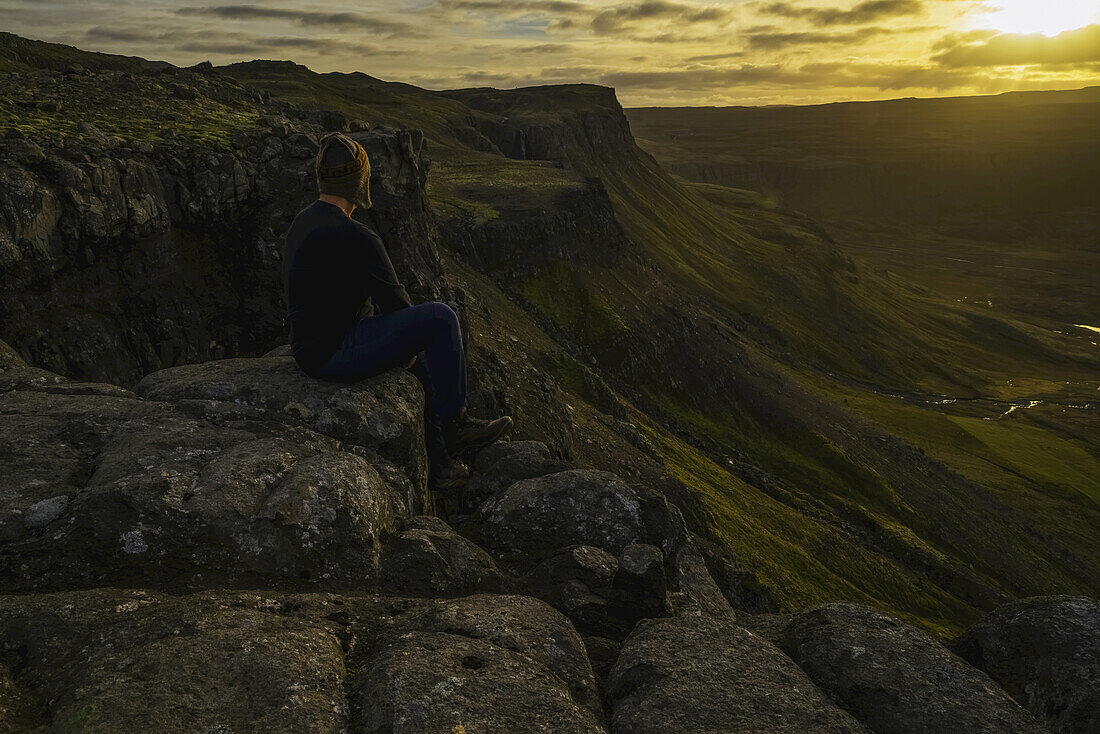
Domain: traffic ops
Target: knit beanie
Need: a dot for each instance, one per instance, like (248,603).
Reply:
(343,169)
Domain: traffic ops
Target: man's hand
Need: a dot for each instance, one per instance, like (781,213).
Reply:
(410,364)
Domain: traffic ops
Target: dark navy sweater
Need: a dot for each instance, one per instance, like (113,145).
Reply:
(335,271)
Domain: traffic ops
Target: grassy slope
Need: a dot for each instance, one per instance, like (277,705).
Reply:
(985,199)
(868,329)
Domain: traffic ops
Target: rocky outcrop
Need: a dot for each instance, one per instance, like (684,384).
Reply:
(503,464)
(579,225)
(895,678)
(699,674)
(1046,653)
(426,557)
(382,415)
(101,486)
(111,268)
(245,472)
(560,123)
(532,518)
(118,660)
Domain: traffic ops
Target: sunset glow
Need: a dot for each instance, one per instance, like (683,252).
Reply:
(1030,16)
(653,52)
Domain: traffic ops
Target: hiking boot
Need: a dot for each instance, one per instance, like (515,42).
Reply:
(469,434)
(447,475)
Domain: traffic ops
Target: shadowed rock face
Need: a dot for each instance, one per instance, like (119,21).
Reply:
(107,660)
(562,123)
(219,474)
(111,268)
(1046,653)
(896,678)
(126,660)
(383,415)
(700,674)
(584,508)
(427,558)
(504,464)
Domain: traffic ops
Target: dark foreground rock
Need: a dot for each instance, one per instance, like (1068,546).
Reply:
(896,678)
(1046,653)
(490,663)
(100,486)
(699,674)
(426,557)
(533,518)
(119,661)
(503,464)
(383,414)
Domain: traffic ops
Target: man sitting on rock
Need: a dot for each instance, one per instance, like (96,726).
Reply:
(334,270)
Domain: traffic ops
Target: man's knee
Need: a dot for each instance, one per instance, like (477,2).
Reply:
(444,315)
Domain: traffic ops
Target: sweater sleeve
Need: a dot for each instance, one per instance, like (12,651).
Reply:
(382,284)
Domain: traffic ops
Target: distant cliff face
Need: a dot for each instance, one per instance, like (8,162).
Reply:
(563,124)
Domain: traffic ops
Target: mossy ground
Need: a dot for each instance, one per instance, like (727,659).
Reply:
(53,110)
(483,184)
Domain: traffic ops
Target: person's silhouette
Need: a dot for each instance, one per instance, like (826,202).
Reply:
(351,318)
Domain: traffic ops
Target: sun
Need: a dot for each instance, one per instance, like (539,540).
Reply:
(1034,16)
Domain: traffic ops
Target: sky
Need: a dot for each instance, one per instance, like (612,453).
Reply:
(653,52)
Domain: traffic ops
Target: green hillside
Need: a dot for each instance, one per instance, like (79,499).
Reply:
(764,368)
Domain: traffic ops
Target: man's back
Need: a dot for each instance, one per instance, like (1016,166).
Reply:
(332,265)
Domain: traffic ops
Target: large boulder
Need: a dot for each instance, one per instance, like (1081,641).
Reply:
(1045,652)
(123,661)
(112,489)
(896,678)
(432,681)
(533,518)
(383,413)
(696,674)
(525,626)
(428,558)
(482,663)
(694,591)
(505,463)
(577,582)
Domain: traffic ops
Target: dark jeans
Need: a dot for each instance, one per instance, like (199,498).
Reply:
(431,332)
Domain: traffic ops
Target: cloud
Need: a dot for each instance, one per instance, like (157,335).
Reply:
(835,75)
(864,12)
(343,20)
(767,38)
(563,7)
(542,48)
(208,41)
(712,57)
(773,41)
(615,18)
(1079,46)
